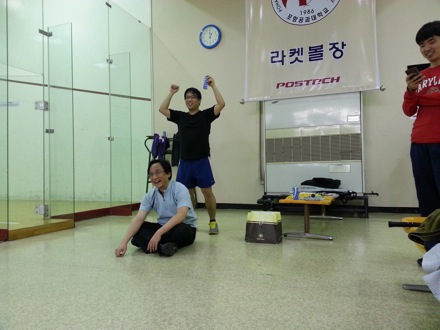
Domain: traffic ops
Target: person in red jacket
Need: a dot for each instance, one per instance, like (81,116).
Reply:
(422,100)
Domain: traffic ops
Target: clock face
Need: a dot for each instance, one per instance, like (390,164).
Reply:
(210,36)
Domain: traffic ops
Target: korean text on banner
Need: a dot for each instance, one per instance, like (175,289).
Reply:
(300,48)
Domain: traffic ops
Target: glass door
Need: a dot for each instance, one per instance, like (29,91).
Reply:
(3,126)
(120,132)
(59,128)
(21,146)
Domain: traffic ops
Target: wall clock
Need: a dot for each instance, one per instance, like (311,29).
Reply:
(210,36)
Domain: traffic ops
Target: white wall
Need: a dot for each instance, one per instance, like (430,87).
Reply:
(386,129)
(179,58)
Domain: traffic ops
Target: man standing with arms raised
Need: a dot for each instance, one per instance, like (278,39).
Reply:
(194,128)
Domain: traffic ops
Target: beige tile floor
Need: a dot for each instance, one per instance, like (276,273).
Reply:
(71,279)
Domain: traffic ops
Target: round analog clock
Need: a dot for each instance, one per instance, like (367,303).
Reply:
(210,36)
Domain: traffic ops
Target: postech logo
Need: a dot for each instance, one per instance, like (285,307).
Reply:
(308,82)
(303,12)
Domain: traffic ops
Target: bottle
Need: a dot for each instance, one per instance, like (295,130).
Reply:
(295,193)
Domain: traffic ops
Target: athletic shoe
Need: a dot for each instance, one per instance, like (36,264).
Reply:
(168,249)
(213,228)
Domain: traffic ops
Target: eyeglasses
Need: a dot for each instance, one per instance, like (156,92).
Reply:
(190,97)
(157,173)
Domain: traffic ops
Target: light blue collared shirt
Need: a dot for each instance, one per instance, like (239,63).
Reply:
(176,195)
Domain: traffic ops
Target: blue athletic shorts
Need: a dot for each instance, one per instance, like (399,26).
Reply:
(195,173)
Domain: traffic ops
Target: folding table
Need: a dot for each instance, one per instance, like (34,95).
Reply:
(306,234)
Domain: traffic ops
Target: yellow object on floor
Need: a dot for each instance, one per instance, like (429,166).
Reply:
(264,216)
(411,229)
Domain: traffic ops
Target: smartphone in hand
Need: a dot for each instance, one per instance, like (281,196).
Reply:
(412,71)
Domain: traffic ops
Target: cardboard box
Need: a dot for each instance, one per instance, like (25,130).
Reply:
(264,227)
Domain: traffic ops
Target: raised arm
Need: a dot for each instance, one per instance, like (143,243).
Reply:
(218,96)
(164,107)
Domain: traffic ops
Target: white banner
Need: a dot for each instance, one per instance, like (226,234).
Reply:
(309,47)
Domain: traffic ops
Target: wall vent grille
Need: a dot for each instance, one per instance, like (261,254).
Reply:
(307,149)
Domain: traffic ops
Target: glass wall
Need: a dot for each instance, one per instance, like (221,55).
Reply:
(3,125)
(59,129)
(120,122)
(24,124)
(75,107)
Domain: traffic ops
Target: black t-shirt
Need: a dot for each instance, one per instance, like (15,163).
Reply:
(194,132)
